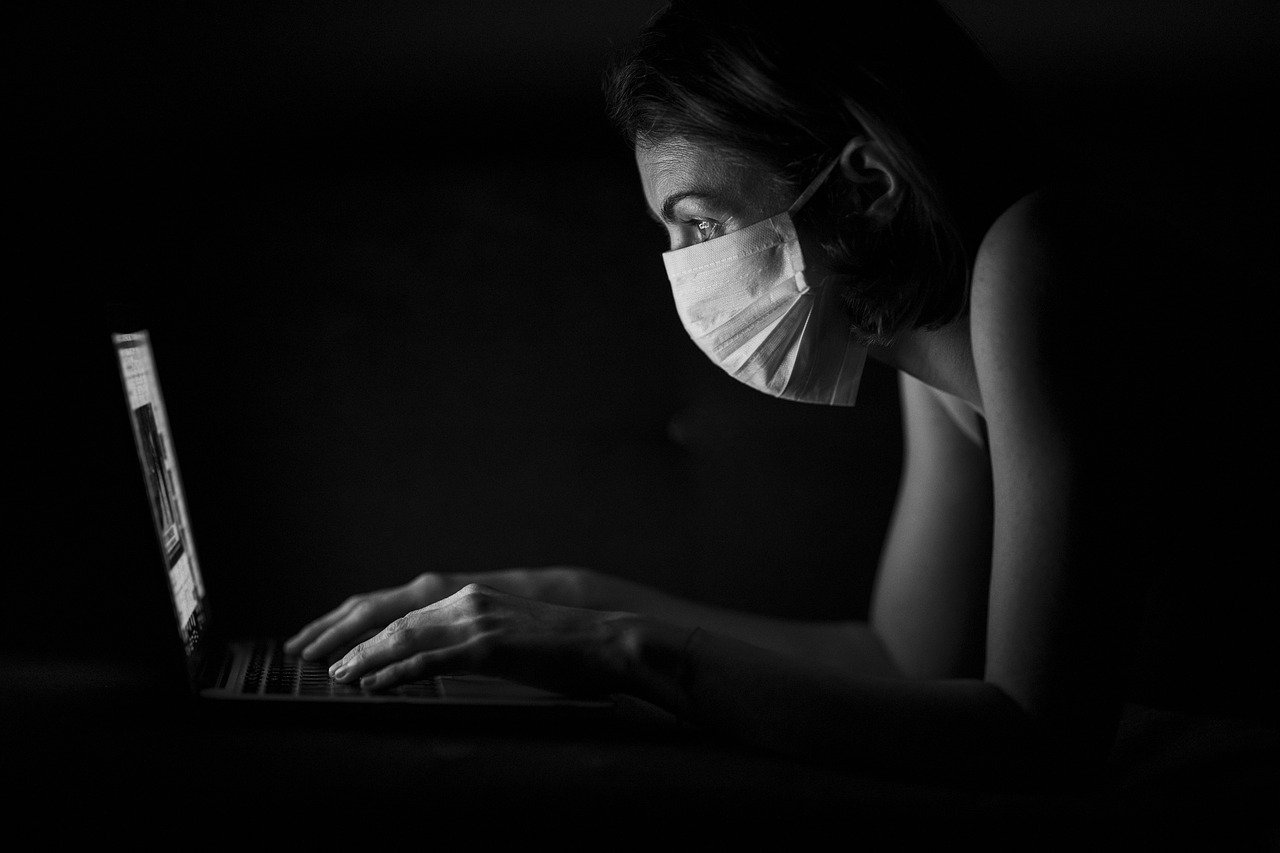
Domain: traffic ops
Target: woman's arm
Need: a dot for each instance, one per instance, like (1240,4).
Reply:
(849,645)
(928,612)
(1063,590)
(929,604)
(957,728)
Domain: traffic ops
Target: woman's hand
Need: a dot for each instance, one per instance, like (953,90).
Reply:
(482,630)
(361,615)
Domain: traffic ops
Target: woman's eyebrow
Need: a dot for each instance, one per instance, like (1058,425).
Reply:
(675,198)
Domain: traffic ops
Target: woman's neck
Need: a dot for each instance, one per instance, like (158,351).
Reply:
(940,358)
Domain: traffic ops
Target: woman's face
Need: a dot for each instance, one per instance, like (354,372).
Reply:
(696,195)
(746,302)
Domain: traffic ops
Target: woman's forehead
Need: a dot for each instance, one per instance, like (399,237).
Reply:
(679,166)
(676,162)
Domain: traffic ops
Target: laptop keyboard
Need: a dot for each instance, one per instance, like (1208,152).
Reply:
(272,672)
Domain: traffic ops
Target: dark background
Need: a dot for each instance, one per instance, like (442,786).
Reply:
(410,314)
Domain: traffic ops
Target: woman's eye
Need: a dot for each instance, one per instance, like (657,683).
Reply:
(706,228)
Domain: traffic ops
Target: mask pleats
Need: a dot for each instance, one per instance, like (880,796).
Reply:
(753,321)
(773,357)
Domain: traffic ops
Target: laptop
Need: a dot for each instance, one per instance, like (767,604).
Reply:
(257,669)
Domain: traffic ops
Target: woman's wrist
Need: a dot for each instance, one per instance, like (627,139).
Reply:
(653,659)
(429,587)
(579,586)
(568,586)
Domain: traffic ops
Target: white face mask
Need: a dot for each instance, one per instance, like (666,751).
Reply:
(744,300)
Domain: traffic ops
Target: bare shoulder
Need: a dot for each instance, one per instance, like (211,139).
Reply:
(1024,263)
(1078,255)
(1060,278)
(1040,238)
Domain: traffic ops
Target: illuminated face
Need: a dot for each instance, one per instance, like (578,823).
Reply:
(697,195)
(743,285)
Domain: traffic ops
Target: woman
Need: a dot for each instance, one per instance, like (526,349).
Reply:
(836,190)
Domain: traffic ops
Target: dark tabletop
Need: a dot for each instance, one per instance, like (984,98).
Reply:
(99,740)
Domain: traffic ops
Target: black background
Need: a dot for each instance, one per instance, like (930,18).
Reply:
(409,312)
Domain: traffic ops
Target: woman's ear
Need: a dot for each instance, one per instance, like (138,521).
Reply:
(879,189)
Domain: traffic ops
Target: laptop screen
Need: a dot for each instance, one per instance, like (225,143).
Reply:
(164,486)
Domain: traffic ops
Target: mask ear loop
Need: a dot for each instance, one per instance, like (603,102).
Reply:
(813,186)
(804,197)
(842,159)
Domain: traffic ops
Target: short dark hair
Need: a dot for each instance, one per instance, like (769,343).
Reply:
(783,87)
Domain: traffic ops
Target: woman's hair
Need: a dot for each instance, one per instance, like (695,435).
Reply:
(784,86)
